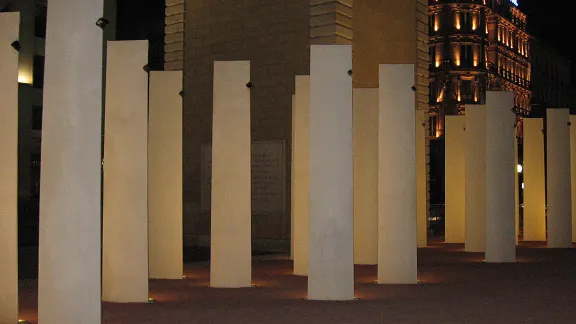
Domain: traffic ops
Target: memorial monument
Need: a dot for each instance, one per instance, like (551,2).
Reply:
(276,37)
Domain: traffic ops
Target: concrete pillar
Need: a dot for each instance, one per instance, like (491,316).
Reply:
(397,246)
(558,186)
(292,180)
(301,169)
(70,241)
(573,172)
(125,204)
(9,27)
(165,176)
(331,236)
(475,194)
(516,192)
(365,102)
(421,179)
(534,181)
(455,204)
(231,245)
(500,173)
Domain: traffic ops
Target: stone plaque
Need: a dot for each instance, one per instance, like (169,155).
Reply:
(268,177)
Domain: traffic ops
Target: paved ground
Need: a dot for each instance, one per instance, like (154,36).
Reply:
(455,287)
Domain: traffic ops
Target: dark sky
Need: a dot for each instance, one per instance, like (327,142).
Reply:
(143,19)
(552,22)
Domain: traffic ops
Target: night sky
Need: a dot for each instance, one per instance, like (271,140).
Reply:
(552,23)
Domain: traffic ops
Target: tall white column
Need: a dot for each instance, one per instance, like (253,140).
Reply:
(301,179)
(500,172)
(534,181)
(165,175)
(475,195)
(558,186)
(125,204)
(9,27)
(365,102)
(516,192)
(292,179)
(69,265)
(331,236)
(455,204)
(421,179)
(397,246)
(231,235)
(573,172)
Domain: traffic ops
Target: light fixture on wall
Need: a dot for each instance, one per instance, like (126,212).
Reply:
(16,45)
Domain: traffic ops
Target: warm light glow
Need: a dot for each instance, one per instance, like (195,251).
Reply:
(437,63)
(476,57)
(440,97)
(458,20)
(435,26)
(24,77)
(474,22)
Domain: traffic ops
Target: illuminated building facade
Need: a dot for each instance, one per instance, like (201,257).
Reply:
(476,46)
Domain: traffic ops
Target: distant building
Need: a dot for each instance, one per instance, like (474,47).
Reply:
(551,84)
(476,46)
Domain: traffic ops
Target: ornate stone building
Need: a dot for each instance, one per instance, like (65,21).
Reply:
(475,46)
(275,35)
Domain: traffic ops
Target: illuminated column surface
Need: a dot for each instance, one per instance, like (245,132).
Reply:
(125,221)
(331,232)
(397,246)
(421,179)
(558,179)
(573,172)
(9,27)
(534,181)
(500,172)
(455,222)
(69,257)
(365,103)
(231,256)
(516,192)
(292,180)
(301,179)
(475,195)
(165,175)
